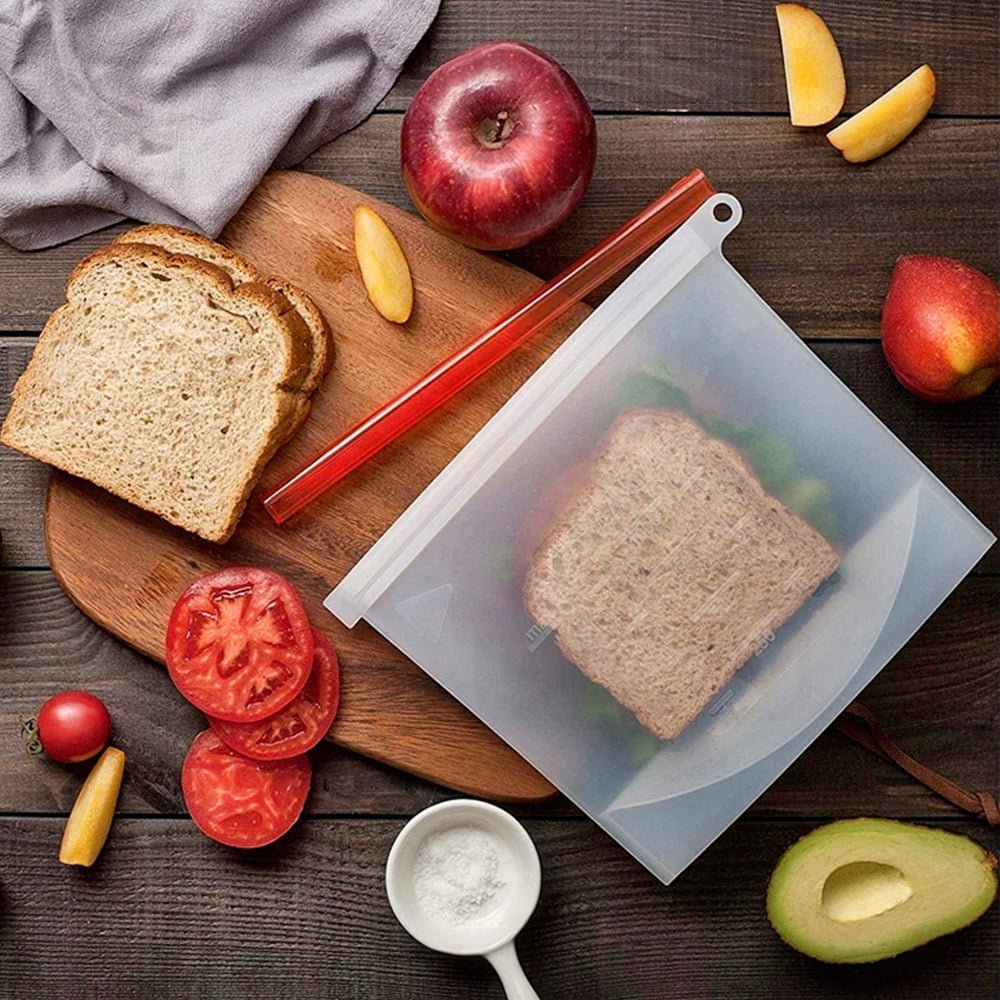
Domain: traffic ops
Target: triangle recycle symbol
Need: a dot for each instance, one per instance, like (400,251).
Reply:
(427,611)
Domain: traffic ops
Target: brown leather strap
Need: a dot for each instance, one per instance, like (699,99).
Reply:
(860,725)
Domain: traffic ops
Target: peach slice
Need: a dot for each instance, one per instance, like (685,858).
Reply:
(383,267)
(886,122)
(814,73)
(90,819)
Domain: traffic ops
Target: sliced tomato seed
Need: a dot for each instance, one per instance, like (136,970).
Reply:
(299,726)
(239,645)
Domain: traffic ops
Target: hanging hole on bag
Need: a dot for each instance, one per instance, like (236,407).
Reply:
(722,212)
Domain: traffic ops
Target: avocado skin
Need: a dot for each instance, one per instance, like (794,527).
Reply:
(978,861)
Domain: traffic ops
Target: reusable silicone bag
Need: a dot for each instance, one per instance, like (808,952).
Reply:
(684,330)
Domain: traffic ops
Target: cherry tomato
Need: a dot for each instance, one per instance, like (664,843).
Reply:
(301,724)
(239,644)
(239,801)
(73,726)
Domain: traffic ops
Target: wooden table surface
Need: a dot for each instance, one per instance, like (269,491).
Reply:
(675,85)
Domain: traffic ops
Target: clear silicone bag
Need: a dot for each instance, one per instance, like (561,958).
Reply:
(444,583)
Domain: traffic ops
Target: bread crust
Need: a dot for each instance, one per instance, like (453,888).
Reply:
(194,245)
(295,334)
(177,239)
(201,248)
(315,321)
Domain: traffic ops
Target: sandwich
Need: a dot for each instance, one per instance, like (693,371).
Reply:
(670,568)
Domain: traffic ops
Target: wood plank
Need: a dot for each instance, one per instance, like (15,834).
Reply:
(168,912)
(23,481)
(50,645)
(959,443)
(818,238)
(938,698)
(724,55)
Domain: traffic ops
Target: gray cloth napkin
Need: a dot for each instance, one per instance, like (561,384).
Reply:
(172,110)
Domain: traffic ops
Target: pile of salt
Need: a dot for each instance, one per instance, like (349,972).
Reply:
(456,872)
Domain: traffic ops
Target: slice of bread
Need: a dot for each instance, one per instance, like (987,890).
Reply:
(161,382)
(669,568)
(186,241)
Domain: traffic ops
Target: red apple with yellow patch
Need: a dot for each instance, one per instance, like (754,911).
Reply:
(941,328)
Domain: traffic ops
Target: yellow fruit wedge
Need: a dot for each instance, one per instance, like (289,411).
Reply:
(89,822)
(383,267)
(886,122)
(814,73)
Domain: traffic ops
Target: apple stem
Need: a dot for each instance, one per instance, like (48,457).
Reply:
(497,131)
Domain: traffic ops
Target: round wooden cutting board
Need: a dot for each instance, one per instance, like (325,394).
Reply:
(125,568)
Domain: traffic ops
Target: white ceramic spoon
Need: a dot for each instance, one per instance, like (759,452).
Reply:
(491,932)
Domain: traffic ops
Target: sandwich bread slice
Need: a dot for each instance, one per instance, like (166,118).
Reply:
(178,240)
(163,383)
(669,568)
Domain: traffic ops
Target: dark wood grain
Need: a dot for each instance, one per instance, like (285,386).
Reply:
(818,238)
(23,481)
(166,912)
(959,443)
(939,698)
(724,55)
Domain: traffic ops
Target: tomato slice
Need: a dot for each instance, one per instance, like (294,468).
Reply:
(300,725)
(239,644)
(239,801)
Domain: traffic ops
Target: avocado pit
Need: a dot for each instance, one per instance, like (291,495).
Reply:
(862,890)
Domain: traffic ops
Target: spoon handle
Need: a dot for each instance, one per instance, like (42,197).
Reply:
(508,968)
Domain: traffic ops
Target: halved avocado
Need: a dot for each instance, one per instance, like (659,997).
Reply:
(860,890)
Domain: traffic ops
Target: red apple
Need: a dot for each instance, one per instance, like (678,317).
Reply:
(941,328)
(498,146)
